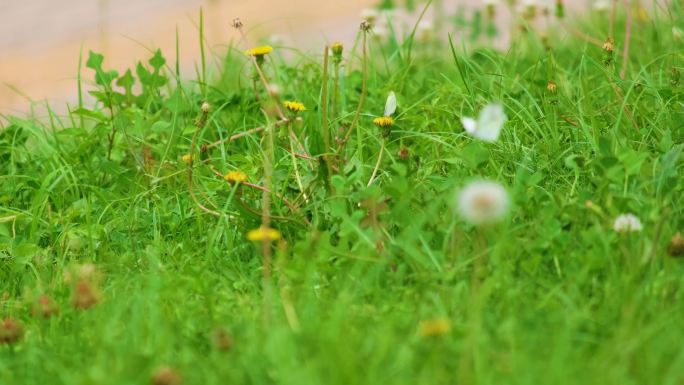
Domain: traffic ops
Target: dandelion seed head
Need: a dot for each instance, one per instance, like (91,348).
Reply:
(627,223)
(483,202)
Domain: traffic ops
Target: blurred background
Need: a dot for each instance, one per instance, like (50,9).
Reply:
(40,40)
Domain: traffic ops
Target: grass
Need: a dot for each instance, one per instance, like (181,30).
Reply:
(378,283)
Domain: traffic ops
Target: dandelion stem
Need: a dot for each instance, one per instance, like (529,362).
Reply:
(364,82)
(377,164)
(324,114)
(200,124)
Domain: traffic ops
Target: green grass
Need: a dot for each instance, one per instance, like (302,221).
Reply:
(559,297)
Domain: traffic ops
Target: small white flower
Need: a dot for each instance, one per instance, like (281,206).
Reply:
(489,124)
(627,223)
(482,202)
(391,104)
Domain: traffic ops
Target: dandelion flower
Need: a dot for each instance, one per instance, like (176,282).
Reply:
(293,106)
(488,125)
(384,121)
(259,51)
(235,177)
(434,327)
(263,234)
(187,158)
(627,223)
(337,48)
(483,202)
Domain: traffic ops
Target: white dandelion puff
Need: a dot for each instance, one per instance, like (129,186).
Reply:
(627,223)
(488,125)
(483,202)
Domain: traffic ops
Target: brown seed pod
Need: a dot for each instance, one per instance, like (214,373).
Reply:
(11,331)
(166,376)
(676,246)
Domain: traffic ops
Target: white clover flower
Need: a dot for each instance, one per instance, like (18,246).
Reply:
(482,202)
(627,223)
(488,125)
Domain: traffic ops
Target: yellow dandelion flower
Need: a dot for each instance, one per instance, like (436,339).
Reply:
(259,51)
(263,233)
(384,121)
(294,106)
(235,177)
(187,158)
(434,327)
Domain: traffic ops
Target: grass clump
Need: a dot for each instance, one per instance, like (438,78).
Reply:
(256,226)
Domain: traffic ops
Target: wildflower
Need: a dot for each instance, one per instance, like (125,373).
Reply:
(483,202)
(187,158)
(551,86)
(608,45)
(259,51)
(235,177)
(205,107)
(488,125)
(44,307)
(337,48)
(676,246)
(627,223)
(293,106)
(166,376)
(384,121)
(11,331)
(263,234)
(434,327)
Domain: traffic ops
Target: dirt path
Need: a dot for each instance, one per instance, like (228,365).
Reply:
(40,40)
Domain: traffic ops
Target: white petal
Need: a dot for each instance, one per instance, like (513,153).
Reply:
(491,121)
(391,104)
(469,124)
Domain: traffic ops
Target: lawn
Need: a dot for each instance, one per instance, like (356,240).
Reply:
(416,209)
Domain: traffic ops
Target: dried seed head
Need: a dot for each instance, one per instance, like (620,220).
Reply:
(404,153)
(365,26)
(236,23)
(676,246)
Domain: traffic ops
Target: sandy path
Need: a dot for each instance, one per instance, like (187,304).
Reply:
(40,40)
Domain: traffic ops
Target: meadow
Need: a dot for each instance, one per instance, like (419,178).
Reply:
(414,208)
